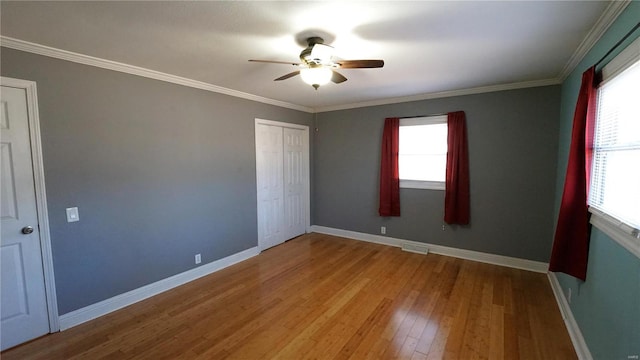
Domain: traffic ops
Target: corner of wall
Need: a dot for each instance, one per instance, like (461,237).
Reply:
(580,345)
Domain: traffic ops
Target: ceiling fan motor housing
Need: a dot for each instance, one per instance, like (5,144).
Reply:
(316,53)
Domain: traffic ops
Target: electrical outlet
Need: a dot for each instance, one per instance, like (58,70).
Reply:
(383,230)
(569,295)
(198,259)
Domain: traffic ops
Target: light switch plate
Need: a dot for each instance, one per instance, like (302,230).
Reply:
(72,214)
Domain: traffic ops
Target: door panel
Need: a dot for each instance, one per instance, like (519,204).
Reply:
(14,303)
(295,172)
(24,313)
(270,185)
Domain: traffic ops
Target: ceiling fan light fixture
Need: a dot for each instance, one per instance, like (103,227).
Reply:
(317,65)
(316,76)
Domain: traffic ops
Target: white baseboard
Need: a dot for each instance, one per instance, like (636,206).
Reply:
(501,260)
(582,350)
(104,307)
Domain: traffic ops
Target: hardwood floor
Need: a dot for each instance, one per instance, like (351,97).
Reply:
(326,297)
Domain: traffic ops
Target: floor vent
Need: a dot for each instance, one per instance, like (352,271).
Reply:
(415,248)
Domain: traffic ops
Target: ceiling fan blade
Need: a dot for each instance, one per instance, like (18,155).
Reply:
(337,77)
(289,75)
(360,64)
(277,62)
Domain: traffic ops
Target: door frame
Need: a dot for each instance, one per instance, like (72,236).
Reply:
(305,160)
(33,117)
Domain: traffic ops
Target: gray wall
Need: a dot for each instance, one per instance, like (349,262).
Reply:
(159,172)
(513,153)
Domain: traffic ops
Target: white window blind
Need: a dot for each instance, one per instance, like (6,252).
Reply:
(615,177)
(422,153)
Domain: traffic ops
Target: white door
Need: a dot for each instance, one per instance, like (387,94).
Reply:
(23,297)
(269,169)
(282,182)
(294,177)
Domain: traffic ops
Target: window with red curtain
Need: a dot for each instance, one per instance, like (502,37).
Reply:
(457,207)
(457,198)
(389,172)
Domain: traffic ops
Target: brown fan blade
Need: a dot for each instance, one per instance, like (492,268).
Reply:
(337,77)
(289,75)
(359,64)
(276,62)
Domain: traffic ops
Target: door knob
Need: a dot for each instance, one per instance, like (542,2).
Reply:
(27,230)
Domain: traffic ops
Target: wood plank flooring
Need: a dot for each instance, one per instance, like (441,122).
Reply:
(324,297)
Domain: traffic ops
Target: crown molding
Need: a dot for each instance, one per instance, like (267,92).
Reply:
(443,94)
(607,18)
(52,52)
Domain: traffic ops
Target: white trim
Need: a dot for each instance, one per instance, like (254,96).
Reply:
(617,230)
(424,120)
(104,307)
(582,350)
(305,159)
(625,59)
(442,94)
(607,18)
(41,194)
(39,49)
(500,260)
(281,124)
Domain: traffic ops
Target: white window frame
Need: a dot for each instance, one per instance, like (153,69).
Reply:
(624,234)
(421,184)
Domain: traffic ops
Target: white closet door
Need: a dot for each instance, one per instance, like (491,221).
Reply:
(269,169)
(294,181)
(282,155)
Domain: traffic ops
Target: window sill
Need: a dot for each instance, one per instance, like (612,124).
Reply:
(418,184)
(622,233)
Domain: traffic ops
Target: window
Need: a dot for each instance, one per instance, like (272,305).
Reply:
(615,175)
(422,155)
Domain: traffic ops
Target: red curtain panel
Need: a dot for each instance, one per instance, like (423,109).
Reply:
(456,198)
(571,243)
(389,173)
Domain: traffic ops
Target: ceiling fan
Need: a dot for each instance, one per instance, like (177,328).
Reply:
(318,67)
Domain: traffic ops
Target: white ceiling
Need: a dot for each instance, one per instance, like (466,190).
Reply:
(428,47)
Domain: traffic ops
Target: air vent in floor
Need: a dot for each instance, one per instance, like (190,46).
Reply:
(415,248)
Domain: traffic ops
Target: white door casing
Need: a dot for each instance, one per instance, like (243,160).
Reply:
(28,306)
(282,177)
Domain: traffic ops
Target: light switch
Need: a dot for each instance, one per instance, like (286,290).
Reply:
(72,214)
